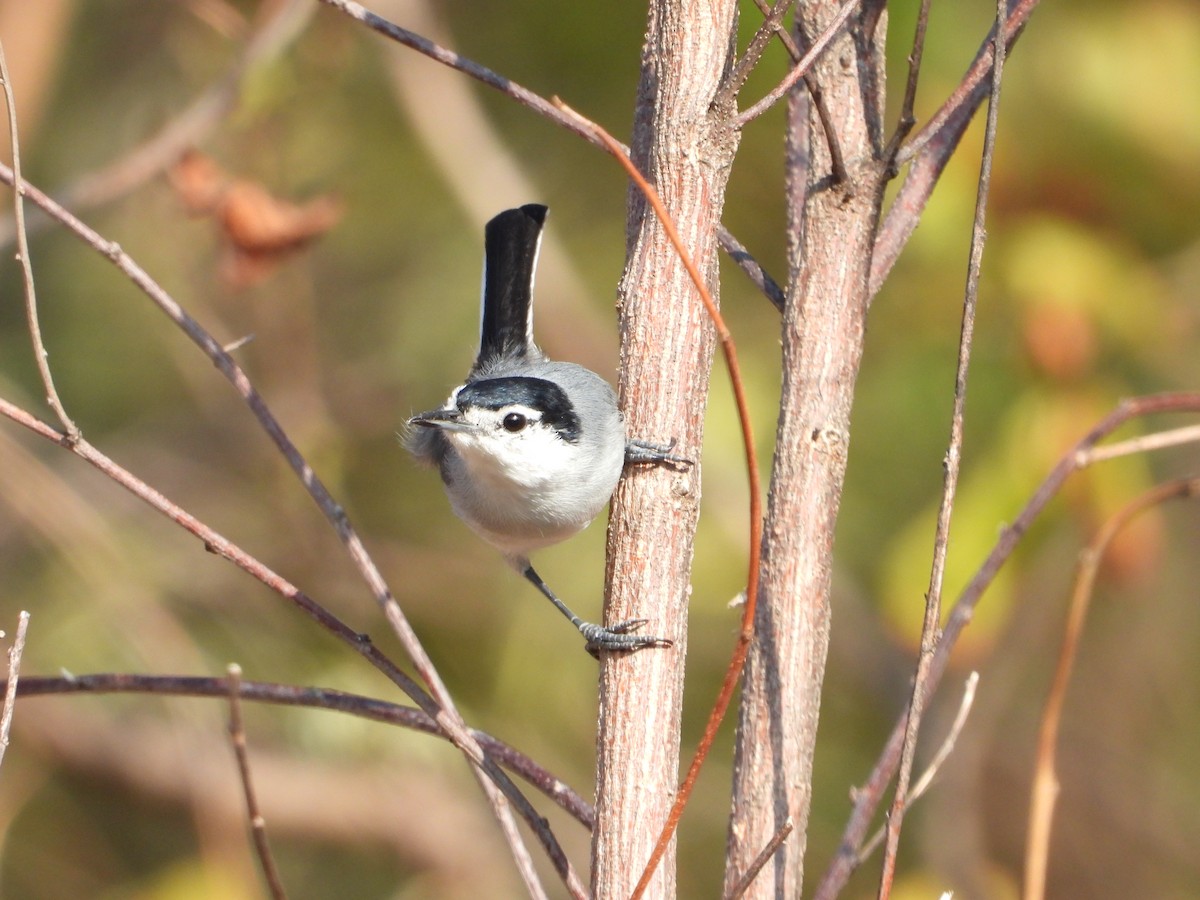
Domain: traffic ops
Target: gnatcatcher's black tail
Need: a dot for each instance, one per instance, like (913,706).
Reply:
(511,242)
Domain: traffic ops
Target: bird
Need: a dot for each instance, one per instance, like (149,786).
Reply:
(530,449)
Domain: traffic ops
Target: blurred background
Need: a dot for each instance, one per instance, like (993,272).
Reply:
(371,171)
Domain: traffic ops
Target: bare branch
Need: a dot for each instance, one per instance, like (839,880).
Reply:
(907,119)
(258,825)
(10,689)
(868,797)
(1156,441)
(801,68)
(40,354)
(768,28)
(931,148)
(487,772)
(761,860)
(922,784)
(753,269)
(930,629)
(314,698)
(1044,790)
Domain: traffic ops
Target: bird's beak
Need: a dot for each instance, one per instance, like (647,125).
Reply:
(446,419)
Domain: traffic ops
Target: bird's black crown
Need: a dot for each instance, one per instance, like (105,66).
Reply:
(536,393)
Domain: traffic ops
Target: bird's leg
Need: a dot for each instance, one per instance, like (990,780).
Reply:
(598,637)
(646,452)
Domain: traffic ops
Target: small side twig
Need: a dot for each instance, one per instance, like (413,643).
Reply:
(931,148)
(10,690)
(923,783)
(768,28)
(930,628)
(800,69)
(40,354)
(539,105)
(1158,440)
(1044,791)
(276,694)
(497,786)
(258,825)
(756,865)
(443,708)
(907,118)
(868,797)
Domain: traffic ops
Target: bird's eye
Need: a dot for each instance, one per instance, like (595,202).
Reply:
(514,422)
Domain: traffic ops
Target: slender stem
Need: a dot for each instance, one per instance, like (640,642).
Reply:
(930,630)
(1157,440)
(868,797)
(907,119)
(1044,790)
(314,698)
(770,26)
(258,825)
(801,68)
(40,354)
(761,860)
(922,784)
(10,689)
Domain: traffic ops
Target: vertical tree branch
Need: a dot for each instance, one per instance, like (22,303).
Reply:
(10,688)
(930,627)
(831,228)
(258,824)
(682,146)
(41,356)
(1045,787)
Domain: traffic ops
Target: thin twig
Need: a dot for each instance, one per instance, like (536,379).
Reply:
(40,354)
(930,631)
(746,633)
(836,162)
(315,698)
(215,543)
(756,865)
(258,825)
(447,714)
(931,148)
(799,70)
(1155,441)
(10,689)
(537,104)
(1045,787)
(754,271)
(768,28)
(907,119)
(868,797)
(923,783)
(973,88)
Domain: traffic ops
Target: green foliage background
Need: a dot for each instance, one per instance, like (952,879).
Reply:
(1090,289)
